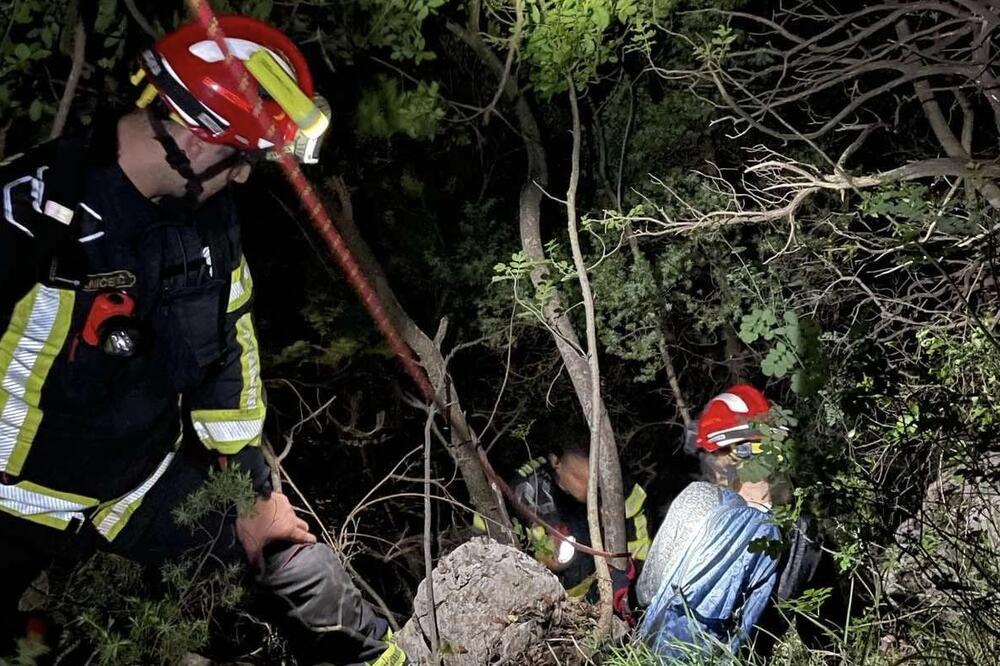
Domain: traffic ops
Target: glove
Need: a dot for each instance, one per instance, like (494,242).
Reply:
(621,584)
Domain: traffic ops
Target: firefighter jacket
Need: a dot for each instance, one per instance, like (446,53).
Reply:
(535,487)
(84,435)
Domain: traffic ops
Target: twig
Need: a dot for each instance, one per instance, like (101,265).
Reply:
(69,92)
(140,19)
(328,539)
(428,557)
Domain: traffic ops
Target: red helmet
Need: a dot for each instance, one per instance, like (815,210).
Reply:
(726,419)
(187,69)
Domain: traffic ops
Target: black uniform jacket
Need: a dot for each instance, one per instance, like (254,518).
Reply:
(85,433)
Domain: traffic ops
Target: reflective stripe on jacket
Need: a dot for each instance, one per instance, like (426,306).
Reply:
(83,433)
(535,486)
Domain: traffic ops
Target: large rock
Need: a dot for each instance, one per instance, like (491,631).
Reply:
(495,605)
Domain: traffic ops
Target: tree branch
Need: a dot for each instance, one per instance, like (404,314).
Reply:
(596,468)
(72,81)
(565,336)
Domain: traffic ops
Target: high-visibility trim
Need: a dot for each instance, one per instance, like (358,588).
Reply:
(639,547)
(636,500)
(228,430)
(43,505)
(111,518)
(34,337)
(581,589)
(252,393)
(530,467)
(240,286)
(393,655)
(478,522)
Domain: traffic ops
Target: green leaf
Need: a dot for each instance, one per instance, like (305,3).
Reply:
(22,52)
(753,470)
(601,17)
(35,110)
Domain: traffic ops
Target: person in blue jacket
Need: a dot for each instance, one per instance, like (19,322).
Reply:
(708,578)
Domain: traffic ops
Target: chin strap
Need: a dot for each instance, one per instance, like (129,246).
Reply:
(179,162)
(176,158)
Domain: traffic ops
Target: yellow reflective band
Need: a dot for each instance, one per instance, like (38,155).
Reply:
(635,501)
(34,337)
(639,547)
(530,467)
(228,430)
(42,505)
(137,78)
(286,92)
(393,655)
(240,286)
(581,589)
(478,522)
(112,516)
(252,394)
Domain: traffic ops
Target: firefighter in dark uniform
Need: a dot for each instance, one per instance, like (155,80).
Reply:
(555,487)
(129,362)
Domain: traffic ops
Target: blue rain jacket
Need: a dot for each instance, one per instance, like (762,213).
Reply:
(718,589)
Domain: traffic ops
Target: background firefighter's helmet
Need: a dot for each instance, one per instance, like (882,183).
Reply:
(186,69)
(730,418)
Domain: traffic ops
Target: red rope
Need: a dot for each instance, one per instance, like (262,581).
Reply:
(324,226)
(314,207)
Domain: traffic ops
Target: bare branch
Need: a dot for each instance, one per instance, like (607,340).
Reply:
(72,81)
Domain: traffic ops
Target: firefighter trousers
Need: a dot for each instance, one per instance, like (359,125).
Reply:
(306,589)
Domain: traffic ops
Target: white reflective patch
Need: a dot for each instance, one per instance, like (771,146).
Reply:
(251,360)
(235,293)
(38,328)
(58,212)
(228,431)
(8,205)
(36,333)
(121,506)
(30,503)
(92,237)
(38,189)
(733,402)
(90,210)
(206,254)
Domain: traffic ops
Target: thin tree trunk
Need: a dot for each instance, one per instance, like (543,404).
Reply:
(593,360)
(428,553)
(567,342)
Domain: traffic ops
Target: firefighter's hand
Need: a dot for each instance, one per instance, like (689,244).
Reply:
(274,519)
